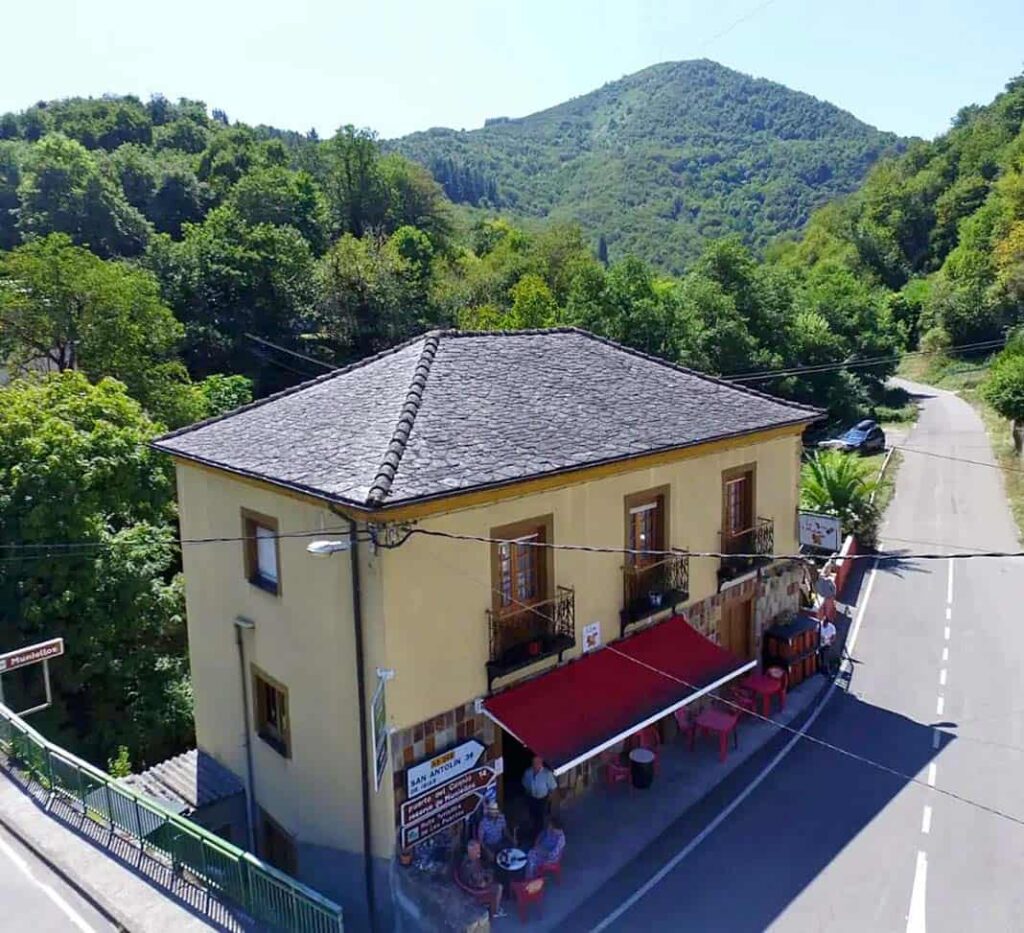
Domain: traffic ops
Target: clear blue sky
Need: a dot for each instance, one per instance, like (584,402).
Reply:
(403,65)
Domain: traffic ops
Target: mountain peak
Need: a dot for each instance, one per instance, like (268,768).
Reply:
(662,160)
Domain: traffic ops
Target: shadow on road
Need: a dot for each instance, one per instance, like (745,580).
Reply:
(792,826)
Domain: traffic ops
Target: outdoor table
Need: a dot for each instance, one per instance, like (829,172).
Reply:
(765,686)
(511,865)
(721,722)
(641,763)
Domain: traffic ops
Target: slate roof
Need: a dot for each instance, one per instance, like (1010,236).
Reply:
(452,411)
(186,782)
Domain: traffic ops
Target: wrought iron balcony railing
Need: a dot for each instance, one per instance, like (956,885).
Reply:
(746,549)
(653,587)
(523,635)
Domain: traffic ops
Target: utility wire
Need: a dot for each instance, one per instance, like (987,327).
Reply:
(838,749)
(748,376)
(295,353)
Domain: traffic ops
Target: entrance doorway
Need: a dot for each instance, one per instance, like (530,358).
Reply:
(516,758)
(736,626)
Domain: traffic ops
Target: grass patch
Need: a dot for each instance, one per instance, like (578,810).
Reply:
(943,372)
(998,430)
(887,486)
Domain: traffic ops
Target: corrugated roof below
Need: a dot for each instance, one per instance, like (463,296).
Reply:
(192,779)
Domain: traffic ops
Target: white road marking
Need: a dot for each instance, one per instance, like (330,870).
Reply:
(671,864)
(931,774)
(926,820)
(916,919)
(949,613)
(945,654)
(947,633)
(942,678)
(936,738)
(940,705)
(949,585)
(76,918)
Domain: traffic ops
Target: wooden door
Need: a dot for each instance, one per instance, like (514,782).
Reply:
(736,626)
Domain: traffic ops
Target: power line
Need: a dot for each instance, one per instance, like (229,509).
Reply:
(838,749)
(747,376)
(938,456)
(295,353)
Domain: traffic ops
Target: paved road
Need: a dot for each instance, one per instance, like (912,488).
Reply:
(829,843)
(33,898)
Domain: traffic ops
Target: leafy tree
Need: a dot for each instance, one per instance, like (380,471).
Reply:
(1003,389)
(10,178)
(354,183)
(281,197)
(226,279)
(115,600)
(61,304)
(533,305)
(62,190)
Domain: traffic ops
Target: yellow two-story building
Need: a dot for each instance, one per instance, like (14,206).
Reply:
(432,537)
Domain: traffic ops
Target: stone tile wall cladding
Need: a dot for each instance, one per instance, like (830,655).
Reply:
(413,745)
(776,589)
(776,592)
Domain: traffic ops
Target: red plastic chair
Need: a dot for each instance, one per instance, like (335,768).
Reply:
(483,896)
(648,738)
(686,725)
(526,893)
(738,700)
(554,869)
(615,772)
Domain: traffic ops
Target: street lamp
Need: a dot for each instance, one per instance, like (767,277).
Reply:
(326,548)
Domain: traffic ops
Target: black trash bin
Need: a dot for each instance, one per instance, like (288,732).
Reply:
(641,763)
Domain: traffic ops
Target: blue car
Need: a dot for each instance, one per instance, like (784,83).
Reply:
(865,437)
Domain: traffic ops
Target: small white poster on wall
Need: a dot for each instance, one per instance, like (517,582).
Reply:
(591,636)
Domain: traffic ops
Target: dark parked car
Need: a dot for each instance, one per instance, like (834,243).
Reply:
(865,437)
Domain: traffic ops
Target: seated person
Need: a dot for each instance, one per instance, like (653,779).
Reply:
(479,879)
(492,833)
(548,848)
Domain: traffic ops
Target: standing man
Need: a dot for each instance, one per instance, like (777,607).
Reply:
(541,786)
(826,638)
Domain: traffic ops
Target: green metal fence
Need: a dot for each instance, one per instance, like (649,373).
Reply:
(266,894)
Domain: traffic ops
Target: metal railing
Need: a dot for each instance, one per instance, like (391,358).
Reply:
(653,587)
(752,546)
(526,634)
(266,894)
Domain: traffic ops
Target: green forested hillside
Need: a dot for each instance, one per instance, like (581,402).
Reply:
(939,230)
(662,161)
(143,245)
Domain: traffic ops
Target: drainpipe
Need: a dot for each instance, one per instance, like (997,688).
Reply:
(364,767)
(250,794)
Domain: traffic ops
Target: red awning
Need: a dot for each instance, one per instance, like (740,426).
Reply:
(577,711)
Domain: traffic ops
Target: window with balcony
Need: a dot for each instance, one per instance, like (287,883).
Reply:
(651,581)
(746,540)
(529,619)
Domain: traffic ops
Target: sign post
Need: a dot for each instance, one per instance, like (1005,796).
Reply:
(380,727)
(32,654)
(441,768)
(818,531)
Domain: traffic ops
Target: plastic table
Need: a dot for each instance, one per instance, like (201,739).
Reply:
(766,686)
(720,722)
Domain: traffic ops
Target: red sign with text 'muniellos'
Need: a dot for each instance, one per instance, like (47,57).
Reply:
(31,655)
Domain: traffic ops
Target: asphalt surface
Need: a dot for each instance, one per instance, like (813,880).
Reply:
(33,898)
(827,841)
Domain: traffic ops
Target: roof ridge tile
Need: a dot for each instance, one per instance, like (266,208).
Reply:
(381,485)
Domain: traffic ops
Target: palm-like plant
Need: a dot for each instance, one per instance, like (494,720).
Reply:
(840,484)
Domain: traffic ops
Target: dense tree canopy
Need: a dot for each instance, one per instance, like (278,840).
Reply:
(115,597)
